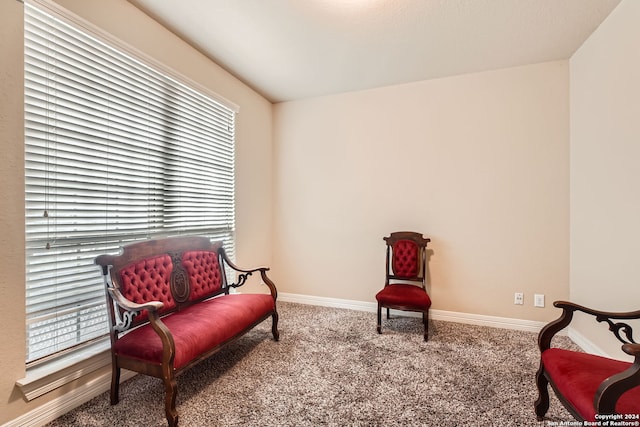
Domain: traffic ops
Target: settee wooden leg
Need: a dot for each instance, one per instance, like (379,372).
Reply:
(274,326)
(542,403)
(115,383)
(379,327)
(170,389)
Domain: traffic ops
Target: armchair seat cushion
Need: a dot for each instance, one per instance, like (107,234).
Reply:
(222,318)
(577,377)
(404,295)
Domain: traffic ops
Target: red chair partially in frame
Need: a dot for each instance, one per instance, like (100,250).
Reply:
(591,387)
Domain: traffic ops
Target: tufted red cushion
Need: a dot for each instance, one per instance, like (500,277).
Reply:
(405,261)
(199,328)
(404,295)
(578,376)
(149,280)
(204,273)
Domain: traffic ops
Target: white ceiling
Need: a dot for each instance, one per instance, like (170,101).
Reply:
(292,49)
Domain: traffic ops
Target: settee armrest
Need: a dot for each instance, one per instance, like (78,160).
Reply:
(245,273)
(613,387)
(632,350)
(568,308)
(131,309)
(121,301)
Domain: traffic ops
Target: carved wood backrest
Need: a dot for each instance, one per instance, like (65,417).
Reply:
(177,271)
(406,256)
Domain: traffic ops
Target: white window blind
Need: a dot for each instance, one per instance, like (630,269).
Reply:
(116,151)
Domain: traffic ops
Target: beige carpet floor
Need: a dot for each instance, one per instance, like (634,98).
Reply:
(331,368)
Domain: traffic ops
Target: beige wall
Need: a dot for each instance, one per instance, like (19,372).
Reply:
(253,163)
(605,171)
(12,295)
(478,162)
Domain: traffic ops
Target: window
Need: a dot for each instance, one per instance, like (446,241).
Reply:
(118,149)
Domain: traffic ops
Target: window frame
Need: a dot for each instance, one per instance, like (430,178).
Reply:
(68,18)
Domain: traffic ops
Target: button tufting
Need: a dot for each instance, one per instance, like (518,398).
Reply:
(147,281)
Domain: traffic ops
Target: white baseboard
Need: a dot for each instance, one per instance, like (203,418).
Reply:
(49,411)
(588,346)
(585,344)
(491,321)
(327,302)
(449,316)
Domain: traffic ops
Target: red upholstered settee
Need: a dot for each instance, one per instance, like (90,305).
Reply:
(170,307)
(592,388)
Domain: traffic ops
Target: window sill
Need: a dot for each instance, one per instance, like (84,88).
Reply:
(43,379)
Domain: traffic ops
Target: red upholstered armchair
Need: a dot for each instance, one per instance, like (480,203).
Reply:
(590,386)
(404,285)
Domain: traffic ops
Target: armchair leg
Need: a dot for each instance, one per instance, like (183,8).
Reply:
(388,313)
(274,326)
(379,328)
(425,320)
(542,403)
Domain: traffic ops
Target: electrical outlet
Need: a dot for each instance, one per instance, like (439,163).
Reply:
(538,300)
(518,298)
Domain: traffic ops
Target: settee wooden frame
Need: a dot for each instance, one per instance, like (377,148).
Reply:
(124,314)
